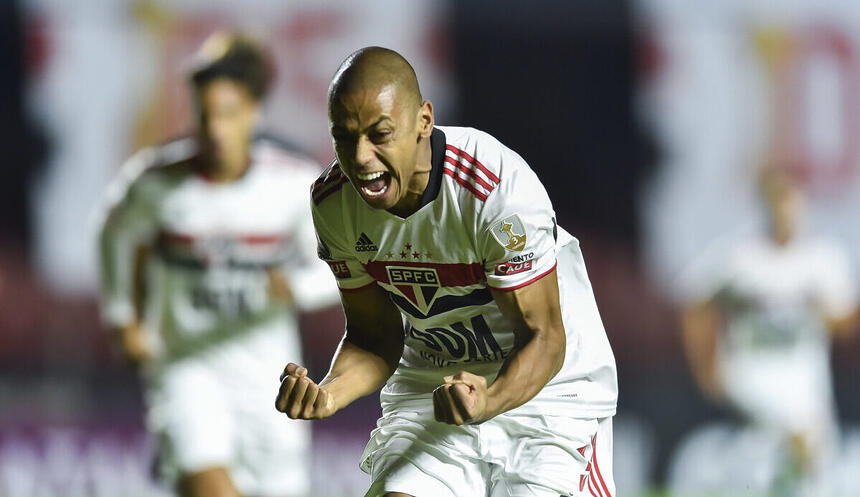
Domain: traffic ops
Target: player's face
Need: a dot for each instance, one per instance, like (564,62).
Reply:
(376,141)
(228,116)
(785,205)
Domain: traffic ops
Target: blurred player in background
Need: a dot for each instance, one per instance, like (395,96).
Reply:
(503,381)
(208,252)
(757,332)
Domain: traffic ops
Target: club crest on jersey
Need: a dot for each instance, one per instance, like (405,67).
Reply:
(365,244)
(418,284)
(510,233)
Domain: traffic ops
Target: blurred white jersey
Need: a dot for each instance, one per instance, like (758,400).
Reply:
(485,222)
(221,336)
(213,245)
(774,349)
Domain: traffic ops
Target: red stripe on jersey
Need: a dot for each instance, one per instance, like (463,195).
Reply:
(472,160)
(250,239)
(328,179)
(329,189)
(592,486)
(465,184)
(529,282)
(456,274)
(332,174)
(469,172)
(262,239)
(597,467)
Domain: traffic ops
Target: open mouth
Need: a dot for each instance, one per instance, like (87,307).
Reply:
(374,185)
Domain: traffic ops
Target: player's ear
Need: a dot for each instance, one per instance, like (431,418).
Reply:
(425,119)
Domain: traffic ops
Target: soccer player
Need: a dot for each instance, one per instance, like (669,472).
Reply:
(208,253)
(500,380)
(757,330)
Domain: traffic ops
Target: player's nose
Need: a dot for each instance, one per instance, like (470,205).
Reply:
(364,151)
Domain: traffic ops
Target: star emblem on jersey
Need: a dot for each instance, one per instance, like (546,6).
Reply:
(418,284)
(510,233)
(365,244)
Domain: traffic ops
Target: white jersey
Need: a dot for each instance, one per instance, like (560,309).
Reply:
(774,349)
(213,245)
(485,222)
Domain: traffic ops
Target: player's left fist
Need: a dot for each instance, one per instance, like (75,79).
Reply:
(462,399)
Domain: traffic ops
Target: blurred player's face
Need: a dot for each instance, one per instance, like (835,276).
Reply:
(228,116)
(785,204)
(378,138)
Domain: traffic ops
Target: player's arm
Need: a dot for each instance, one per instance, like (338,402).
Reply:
(844,326)
(700,327)
(537,356)
(124,244)
(366,357)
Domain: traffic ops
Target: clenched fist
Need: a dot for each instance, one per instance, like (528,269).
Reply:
(462,399)
(300,398)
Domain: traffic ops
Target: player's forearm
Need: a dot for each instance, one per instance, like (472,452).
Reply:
(700,325)
(357,371)
(526,371)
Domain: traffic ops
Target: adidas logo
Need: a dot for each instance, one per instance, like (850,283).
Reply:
(365,244)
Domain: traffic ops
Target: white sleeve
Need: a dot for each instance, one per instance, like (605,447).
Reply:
(836,283)
(130,222)
(310,280)
(348,271)
(517,229)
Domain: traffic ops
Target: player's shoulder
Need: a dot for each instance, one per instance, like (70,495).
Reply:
(277,154)
(477,161)
(168,160)
(822,248)
(327,188)
(474,160)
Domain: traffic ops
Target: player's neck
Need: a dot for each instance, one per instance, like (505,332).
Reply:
(225,171)
(411,201)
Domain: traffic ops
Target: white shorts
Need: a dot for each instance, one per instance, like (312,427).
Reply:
(511,455)
(207,415)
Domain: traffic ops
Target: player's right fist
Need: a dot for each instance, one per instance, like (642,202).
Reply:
(300,398)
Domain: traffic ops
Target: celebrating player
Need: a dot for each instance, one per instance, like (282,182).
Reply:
(756,330)
(500,381)
(206,258)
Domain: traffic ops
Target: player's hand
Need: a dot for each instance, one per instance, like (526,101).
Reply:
(462,399)
(135,347)
(300,398)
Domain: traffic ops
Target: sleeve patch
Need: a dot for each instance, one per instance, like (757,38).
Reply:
(340,269)
(507,268)
(510,233)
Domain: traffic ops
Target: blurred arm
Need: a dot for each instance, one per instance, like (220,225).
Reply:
(124,248)
(700,327)
(844,327)
(310,282)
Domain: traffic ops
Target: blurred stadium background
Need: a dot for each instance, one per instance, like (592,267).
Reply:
(645,119)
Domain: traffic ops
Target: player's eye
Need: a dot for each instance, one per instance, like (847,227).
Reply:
(380,136)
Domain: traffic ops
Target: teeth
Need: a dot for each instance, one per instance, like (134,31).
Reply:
(369,176)
(374,194)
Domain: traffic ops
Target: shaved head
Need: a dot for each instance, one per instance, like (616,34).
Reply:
(374,68)
(380,128)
